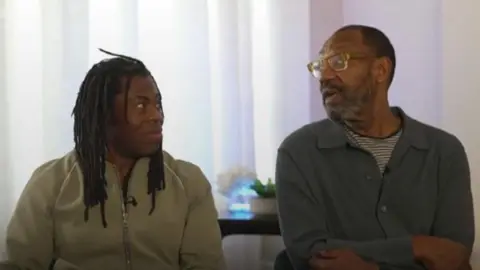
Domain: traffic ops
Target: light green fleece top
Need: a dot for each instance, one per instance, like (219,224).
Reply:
(48,222)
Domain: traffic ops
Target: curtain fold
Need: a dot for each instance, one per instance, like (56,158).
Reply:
(231,72)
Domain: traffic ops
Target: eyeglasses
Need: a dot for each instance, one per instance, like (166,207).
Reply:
(337,62)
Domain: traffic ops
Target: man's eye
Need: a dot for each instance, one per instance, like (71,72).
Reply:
(140,106)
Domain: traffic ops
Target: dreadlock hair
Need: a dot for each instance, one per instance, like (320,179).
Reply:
(93,109)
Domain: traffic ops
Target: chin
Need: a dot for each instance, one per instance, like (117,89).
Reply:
(148,151)
(334,115)
(344,113)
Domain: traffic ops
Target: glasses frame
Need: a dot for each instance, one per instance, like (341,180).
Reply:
(347,56)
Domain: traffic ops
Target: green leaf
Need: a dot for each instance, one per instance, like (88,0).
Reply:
(264,190)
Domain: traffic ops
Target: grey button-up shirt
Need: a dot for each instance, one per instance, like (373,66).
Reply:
(332,195)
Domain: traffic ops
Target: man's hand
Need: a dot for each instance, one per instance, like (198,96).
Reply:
(340,260)
(439,253)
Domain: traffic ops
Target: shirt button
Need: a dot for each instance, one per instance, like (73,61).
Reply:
(384,208)
(368,177)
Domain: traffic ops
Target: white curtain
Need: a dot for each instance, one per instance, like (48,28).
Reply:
(232,73)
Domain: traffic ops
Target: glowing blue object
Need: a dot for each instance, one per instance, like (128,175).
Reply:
(240,195)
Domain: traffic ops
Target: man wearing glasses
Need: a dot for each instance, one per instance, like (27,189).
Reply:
(370,187)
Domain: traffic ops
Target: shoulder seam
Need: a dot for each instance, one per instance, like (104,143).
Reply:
(174,174)
(62,185)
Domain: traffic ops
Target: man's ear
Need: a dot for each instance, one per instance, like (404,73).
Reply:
(383,67)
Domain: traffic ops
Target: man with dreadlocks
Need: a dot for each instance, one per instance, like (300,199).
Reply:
(118,201)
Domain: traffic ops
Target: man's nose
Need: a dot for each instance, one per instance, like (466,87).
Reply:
(327,74)
(156,114)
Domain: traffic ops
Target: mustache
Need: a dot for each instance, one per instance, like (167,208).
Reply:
(328,88)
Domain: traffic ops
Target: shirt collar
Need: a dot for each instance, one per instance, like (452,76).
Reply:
(332,135)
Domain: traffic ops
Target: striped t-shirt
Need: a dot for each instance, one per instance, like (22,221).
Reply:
(380,148)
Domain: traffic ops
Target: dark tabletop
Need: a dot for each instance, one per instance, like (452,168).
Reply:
(245,223)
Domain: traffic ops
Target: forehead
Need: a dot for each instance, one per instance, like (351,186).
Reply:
(344,41)
(142,85)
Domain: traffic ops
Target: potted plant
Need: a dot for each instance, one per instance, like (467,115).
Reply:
(265,202)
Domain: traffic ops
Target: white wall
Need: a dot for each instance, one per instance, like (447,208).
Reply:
(461,85)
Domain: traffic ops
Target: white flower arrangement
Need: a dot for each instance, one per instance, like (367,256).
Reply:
(228,180)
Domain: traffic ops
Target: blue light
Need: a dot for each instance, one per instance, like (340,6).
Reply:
(239,198)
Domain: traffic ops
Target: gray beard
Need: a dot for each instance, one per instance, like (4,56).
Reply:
(344,113)
(350,110)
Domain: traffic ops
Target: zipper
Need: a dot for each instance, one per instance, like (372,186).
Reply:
(125,238)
